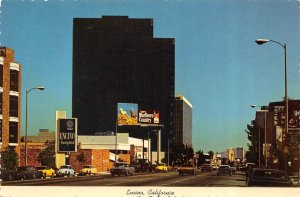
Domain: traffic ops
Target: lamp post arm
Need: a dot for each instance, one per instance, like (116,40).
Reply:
(283,45)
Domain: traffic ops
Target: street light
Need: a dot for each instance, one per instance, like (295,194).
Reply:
(263,41)
(265,123)
(26,121)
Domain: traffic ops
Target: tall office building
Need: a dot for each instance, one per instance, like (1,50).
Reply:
(10,99)
(117,60)
(183,121)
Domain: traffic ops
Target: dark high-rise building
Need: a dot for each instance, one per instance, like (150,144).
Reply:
(117,60)
(183,121)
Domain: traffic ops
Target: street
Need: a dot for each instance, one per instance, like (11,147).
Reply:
(169,179)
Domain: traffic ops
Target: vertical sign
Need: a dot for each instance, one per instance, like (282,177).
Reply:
(67,135)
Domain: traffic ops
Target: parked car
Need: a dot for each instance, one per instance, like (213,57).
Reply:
(66,170)
(152,168)
(214,167)
(187,169)
(46,171)
(7,175)
(242,167)
(88,170)
(121,168)
(268,178)
(162,167)
(224,169)
(28,172)
(233,169)
(206,167)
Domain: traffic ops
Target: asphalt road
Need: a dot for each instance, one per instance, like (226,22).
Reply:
(169,179)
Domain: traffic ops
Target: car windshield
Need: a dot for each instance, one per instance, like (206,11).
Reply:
(41,168)
(86,166)
(120,165)
(223,167)
(21,168)
(64,167)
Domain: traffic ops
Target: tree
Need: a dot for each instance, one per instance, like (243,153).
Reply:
(9,158)
(81,158)
(201,159)
(211,153)
(47,156)
(253,146)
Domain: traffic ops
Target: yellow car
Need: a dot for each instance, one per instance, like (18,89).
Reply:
(47,171)
(88,170)
(162,167)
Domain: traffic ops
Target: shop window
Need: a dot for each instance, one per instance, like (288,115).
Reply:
(13,106)
(13,132)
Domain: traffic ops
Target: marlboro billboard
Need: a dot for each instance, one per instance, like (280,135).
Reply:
(149,117)
(67,135)
(127,113)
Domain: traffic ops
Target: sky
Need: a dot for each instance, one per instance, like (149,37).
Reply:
(219,68)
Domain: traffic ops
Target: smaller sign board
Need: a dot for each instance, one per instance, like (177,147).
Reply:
(67,135)
(149,117)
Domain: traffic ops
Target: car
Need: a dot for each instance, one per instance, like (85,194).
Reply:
(122,168)
(187,169)
(268,178)
(152,168)
(28,172)
(242,167)
(66,170)
(46,171)
(7,174)
(233,169)
(214,166)
(88,170)
(224,169)
(206,167)
(162,167)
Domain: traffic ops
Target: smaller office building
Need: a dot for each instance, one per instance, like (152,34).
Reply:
(10,100)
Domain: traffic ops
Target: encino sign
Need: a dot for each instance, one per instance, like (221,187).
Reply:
(67,135)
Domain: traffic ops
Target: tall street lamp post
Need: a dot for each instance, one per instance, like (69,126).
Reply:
(265,125)
(263,41)
(26,122)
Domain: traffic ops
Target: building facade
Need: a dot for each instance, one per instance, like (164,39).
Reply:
(10,100)
(117,60)
(183,121)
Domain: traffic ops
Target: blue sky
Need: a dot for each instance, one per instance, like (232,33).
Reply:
(219,67)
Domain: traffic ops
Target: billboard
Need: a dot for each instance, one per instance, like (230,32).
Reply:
(127,114)
(149,117)
(67,135)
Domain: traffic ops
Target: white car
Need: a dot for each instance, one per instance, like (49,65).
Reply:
(66,170)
